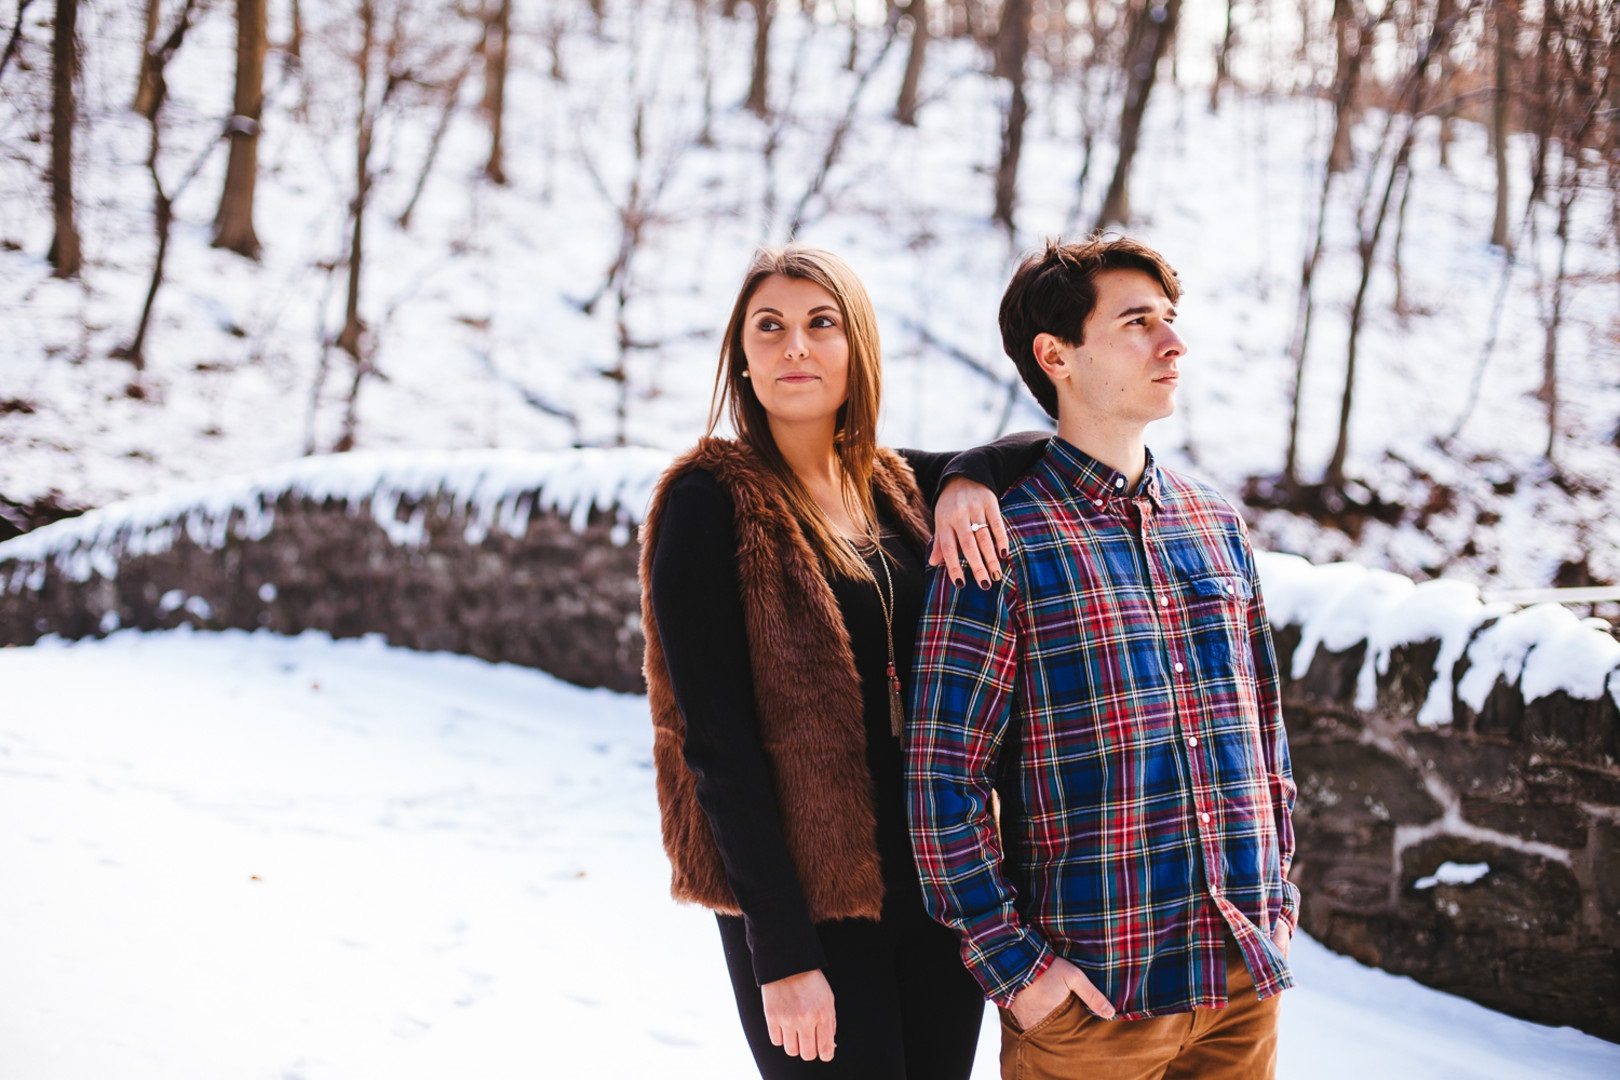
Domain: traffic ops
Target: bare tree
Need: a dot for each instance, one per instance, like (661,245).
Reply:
(295,40)
(1347,82)
(497,39)
(758,101)
(372,101)
(1585,33)
(905,109)
(1223,59)
(1348,38)
(145,86)
(1012,51)
(15,35)
(233,225)
(162,200)
(1505,26)
(1371,220)
(64,255)
(1155,29)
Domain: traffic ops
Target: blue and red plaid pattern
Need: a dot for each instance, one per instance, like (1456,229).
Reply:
(1118,691)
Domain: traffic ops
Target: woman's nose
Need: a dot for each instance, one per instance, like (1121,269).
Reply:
(797,344)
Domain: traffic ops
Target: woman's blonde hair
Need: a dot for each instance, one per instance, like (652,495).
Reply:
(854,439)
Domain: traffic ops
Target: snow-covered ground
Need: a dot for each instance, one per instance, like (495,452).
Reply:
(233,855)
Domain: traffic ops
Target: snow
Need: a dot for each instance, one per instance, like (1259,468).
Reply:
(1339,605)
(245,855)
(492,489)
(1450,873)
(1548,647)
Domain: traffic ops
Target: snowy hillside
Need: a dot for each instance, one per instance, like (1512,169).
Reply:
(235,855)
(478,310)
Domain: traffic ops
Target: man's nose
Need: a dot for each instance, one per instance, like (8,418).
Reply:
(1172,345)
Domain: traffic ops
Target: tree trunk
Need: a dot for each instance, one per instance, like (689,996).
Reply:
(146,83)
(905,110)
(1506,25)
(1346,71)
(162,201)
(497,40)
(1223,57)
(1555,318)
(64,254)
(15,35)
(349,338)
(1012,47)
(1546,90)
(233,225)
(1401,307)
(1158,28)
(758,101)
(295,44)
(1367,241)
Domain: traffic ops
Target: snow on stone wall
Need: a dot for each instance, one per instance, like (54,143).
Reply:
(491,489)
(524,557)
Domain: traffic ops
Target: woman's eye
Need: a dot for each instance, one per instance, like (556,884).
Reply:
(823,321)
(767,325)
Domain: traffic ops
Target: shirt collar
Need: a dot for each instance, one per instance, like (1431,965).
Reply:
(1078,473)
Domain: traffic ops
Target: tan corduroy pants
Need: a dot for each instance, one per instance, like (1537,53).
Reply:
(1238,1042)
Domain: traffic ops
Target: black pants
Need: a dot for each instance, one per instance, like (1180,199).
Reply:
(907,1009)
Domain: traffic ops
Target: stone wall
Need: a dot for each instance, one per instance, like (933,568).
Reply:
(522,558)
(1459,809)
(1477,851)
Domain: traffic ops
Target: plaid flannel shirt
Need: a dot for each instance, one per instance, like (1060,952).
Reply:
(1118,690)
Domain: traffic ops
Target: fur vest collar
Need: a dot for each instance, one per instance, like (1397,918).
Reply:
(807,694)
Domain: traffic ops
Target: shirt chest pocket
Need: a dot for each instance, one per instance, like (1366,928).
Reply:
(1217,609)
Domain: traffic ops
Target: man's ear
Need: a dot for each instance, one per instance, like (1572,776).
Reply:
(1048,351)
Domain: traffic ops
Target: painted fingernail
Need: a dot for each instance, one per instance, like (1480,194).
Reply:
(984,583)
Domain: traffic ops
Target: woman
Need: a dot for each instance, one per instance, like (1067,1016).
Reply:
(782,576)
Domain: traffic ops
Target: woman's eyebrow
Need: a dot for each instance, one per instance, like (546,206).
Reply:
(772,310)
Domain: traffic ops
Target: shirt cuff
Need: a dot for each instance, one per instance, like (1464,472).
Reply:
(1012,967)
(1290,905)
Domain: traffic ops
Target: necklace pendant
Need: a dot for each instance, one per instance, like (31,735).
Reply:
(897,711)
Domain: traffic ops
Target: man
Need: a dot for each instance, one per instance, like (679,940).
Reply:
(1130,908)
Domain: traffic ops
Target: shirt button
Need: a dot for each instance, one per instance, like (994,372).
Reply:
(1119,481)
(1228,588)
(1179,668)
(1204,818)
(1164,601)
(1097,503)
(1192,740)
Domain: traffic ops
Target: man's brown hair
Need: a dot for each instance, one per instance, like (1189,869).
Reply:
(1053,291)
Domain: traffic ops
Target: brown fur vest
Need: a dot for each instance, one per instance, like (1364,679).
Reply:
(806,691)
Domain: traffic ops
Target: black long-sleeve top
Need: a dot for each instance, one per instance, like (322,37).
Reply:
(697,600)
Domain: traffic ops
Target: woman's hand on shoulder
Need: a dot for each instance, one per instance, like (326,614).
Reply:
(962,505)
(800,1015)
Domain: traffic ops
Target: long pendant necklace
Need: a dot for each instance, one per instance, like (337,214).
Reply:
(897,712)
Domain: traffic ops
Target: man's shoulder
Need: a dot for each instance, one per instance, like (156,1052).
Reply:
(1030,503)
(1191,494)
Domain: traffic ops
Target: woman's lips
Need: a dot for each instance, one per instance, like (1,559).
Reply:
(797,378)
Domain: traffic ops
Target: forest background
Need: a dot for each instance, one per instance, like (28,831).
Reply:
(232,234)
